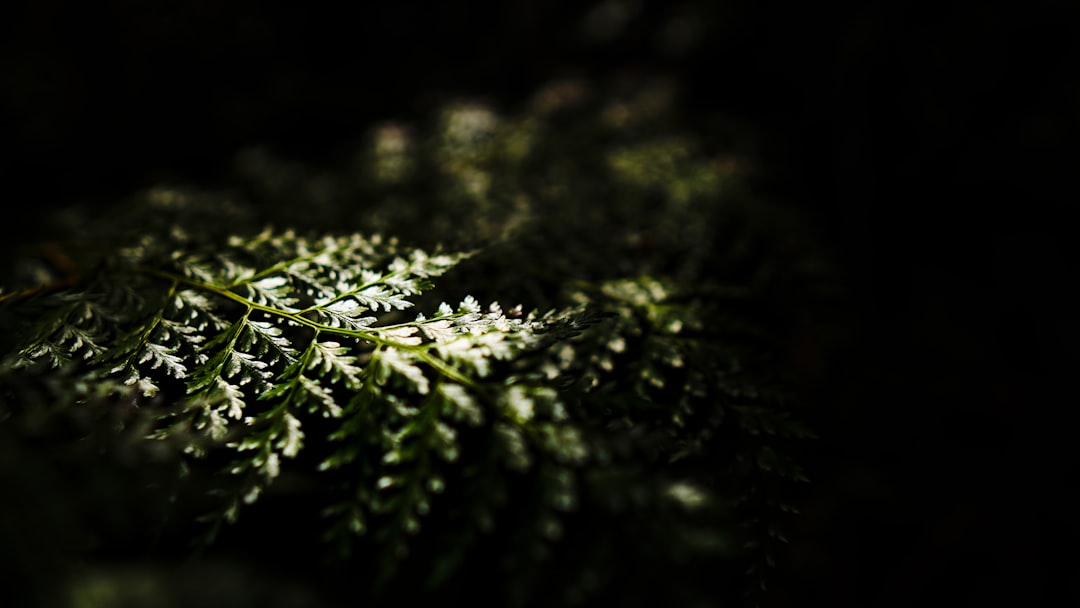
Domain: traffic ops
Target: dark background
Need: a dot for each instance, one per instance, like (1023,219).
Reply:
(932,146)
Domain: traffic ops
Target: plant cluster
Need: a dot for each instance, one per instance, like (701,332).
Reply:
(561,380)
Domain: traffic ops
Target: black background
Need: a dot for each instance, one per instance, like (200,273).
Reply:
(933,146)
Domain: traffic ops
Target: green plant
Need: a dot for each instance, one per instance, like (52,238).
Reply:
(631,428)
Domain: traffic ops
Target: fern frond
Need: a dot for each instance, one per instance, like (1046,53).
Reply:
(268,334)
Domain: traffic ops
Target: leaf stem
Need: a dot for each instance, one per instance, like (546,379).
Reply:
(421,350)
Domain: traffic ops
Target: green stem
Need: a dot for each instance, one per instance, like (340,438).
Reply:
(422,350)
(280,266)
(443,368)
(158,316)
(350,293)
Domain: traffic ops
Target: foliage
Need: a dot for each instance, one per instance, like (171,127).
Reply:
(628,435)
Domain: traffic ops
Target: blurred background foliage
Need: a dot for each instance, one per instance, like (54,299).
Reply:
(923,144)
